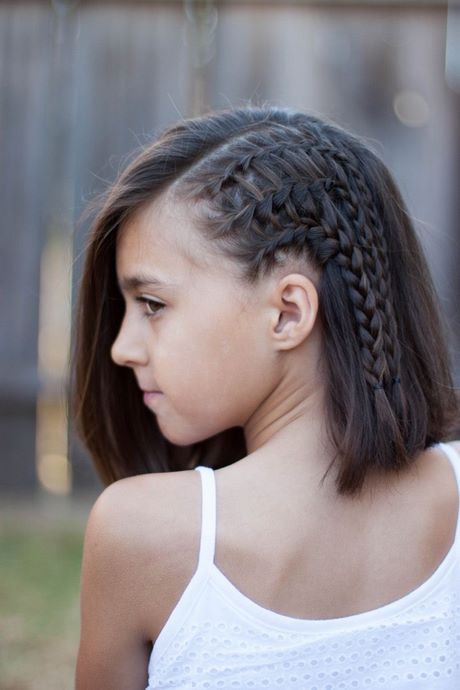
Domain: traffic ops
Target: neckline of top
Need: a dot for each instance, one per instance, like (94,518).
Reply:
(237,599)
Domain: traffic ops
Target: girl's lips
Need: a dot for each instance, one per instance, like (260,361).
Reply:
(151,396)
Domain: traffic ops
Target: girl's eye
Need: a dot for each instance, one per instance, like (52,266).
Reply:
(152,306)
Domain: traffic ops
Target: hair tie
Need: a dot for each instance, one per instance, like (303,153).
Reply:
(396,379)
(376,386)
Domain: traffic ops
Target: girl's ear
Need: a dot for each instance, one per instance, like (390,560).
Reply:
(295,301)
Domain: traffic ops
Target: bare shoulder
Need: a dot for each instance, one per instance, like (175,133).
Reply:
(453,490)
(140,506)
(146,530)
(442,500)
(440,477)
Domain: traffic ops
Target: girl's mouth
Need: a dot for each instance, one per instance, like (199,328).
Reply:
(151,396)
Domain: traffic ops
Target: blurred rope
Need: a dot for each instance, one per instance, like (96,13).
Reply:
(453,46)
(201,23)
(62,7)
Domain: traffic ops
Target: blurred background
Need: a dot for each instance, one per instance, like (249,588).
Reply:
(84,83)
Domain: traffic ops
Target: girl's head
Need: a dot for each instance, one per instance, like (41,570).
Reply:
(288,268)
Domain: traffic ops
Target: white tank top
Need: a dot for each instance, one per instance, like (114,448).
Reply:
(216,637)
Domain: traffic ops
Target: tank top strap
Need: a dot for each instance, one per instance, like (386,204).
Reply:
(208,516)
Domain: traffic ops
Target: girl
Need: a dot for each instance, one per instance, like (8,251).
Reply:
(261,378)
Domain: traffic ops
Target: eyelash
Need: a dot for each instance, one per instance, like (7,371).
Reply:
(148,301)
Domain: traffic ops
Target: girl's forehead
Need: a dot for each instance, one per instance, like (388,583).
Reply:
(162,236)
(162,232)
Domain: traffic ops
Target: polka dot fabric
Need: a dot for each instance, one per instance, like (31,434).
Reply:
(216,637)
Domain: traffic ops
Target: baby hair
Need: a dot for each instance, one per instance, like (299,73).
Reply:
(268,186)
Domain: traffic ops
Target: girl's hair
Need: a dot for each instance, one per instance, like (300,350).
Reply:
(270,183)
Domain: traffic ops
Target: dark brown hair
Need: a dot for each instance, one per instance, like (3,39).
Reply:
(272,182)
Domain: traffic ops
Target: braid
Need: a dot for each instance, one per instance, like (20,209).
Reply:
(359,207)
(364,215)
(265,191)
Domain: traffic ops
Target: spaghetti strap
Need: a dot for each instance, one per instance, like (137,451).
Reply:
(208,516)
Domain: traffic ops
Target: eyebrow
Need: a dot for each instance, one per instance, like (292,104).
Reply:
(129,283)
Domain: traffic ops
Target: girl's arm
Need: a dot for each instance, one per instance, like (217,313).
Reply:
(114,647)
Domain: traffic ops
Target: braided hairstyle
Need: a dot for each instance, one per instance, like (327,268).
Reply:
(294,189)
(271,183)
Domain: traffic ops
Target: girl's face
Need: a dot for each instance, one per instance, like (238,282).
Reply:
(197,336)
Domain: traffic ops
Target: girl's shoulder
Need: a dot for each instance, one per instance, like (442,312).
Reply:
(147,511)
(447,475)
(444,490)
(145,531)
(131,503)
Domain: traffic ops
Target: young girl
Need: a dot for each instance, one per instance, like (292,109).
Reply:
(262,379)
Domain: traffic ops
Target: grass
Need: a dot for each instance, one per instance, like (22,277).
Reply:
(40,564)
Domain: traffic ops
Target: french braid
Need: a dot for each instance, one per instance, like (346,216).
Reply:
(310,196)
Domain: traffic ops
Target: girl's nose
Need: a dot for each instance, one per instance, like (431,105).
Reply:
(128,348)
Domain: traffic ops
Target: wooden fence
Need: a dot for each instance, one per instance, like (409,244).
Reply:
(83,83)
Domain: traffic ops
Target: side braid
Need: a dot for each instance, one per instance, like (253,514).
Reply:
(354,192)
(265,190)
(361,292)
(369,232)
(372,302)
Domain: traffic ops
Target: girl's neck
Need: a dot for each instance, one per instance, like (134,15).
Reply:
(288,447)
(291,439)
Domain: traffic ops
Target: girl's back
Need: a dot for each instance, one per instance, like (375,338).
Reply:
(284,569)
